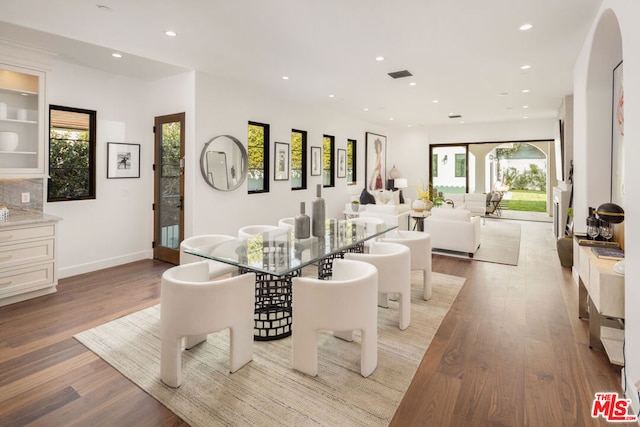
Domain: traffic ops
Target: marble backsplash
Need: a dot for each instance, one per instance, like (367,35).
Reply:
(11,194)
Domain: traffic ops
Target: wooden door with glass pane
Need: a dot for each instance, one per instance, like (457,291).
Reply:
(168,187)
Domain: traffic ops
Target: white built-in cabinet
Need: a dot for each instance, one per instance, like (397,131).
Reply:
(22,111)
(28,260)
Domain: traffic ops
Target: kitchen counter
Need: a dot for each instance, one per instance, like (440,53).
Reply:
(18,217)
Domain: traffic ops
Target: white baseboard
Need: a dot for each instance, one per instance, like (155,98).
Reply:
(103,263)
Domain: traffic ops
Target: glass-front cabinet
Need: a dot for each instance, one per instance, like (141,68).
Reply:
(22,124)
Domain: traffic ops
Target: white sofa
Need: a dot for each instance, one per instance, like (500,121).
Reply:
(387,207)
(453,230)
(475,202)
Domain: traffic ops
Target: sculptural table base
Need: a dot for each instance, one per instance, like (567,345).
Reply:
(273,314)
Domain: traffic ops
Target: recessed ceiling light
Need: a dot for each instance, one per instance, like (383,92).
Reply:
(525,91)
(390,118)
(525,106)
(408,126)
(116,55)
(331,96)
(525,27)
(435,101)
(412,84)
(285,77)
(365,109)
(525,67)
(525,117)
(379,58)
(170,33)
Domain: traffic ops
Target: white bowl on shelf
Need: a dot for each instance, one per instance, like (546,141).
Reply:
(8,141)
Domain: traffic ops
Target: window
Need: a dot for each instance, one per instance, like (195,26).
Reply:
(298,159)
(461,165)
(351,161)
(434,165)
(258,152)
(328,148)
(72,154)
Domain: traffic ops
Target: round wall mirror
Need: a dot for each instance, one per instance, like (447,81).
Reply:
(223,163)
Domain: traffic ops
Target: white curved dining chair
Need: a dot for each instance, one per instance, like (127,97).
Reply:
(343,304)
(287,222)
(216,268)
(419,243)
(192,306)
(393,262)
(251,230)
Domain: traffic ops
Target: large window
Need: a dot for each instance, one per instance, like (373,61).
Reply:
(72,153)
(434,165)
(328,167)
(351,161)
(258,151)
(298,159)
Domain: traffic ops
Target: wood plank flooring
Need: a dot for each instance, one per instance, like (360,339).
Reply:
(511,351)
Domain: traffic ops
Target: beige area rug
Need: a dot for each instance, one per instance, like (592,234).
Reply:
(499,243)
(267,391)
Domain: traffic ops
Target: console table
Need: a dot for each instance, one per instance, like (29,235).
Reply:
(601,301)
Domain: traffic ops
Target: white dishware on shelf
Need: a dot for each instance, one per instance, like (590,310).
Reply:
(3,111)
(21,114)
(8,141)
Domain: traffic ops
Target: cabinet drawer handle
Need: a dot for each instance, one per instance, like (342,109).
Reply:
(6,257)
(6,237)
(6,283)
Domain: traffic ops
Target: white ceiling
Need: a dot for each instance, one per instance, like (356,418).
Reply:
(462,52)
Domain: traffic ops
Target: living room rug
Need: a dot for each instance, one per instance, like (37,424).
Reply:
(499,243)
(267,391)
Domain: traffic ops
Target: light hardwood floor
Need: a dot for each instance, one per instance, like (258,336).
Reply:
(511,351)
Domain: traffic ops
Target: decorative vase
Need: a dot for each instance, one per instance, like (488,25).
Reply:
(302,224)
(418,205)
(318,213)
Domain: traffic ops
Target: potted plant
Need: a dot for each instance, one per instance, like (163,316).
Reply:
(355,205)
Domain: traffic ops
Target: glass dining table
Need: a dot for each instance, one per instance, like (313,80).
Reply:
(276,257)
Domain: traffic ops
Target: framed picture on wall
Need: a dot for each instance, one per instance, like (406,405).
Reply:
(123,160)
(281,162)
(375,161)
(617,138)
(316,161)
(342,163)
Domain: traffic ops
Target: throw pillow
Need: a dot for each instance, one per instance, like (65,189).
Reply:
(367,198)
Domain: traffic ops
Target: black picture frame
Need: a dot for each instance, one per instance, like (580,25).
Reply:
(375,161)
(342,163)
(316,161)
(281,161)
(123,160)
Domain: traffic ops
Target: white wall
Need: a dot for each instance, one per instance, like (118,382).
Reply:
(614,36)
(225,108)
(113,228)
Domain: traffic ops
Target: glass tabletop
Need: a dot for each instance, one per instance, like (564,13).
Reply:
(277,252)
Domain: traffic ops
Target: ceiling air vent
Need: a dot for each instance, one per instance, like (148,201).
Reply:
(455,116)
(400,74)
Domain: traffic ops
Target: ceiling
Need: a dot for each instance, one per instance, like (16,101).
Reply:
(467,54)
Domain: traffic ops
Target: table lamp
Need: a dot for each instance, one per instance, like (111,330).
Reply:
(613,214)
(401,183)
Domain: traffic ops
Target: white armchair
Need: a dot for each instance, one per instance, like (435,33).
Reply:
(192,306)
(419,244)
(453,230)
(393,262)
(342,304)
(216,268)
